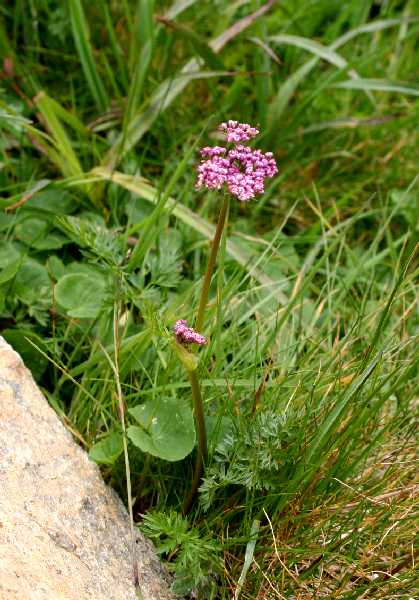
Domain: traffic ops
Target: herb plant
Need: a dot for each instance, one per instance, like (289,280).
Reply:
(280,461)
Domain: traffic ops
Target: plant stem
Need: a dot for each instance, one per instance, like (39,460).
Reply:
(211,264)
(193,378)
(202,440)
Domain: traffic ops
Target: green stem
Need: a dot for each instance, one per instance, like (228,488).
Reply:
(202,440)
(211,264)
(193,378)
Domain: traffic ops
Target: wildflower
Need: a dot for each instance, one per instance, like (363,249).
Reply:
(187,335)
(242,169)
(213,173)
(238,132)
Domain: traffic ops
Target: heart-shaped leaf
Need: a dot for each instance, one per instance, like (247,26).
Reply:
(10,271)
(35,233)
(81,295)
(32,282)
(167,428)
(9,253)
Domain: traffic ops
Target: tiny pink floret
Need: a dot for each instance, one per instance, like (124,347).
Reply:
(242,169)
(187,335)
(211,151)
(238,132)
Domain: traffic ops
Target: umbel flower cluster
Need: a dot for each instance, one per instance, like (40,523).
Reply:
(241,168)
(187,335)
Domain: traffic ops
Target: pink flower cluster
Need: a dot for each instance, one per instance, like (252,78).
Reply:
(238,132)
(187,335)
(242,169)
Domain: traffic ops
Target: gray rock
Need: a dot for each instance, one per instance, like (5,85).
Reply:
(64,535)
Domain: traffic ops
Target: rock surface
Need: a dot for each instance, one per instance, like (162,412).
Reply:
(64,535)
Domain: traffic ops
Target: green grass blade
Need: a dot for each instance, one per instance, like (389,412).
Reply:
(377,85)
(158,103)
(287,89)
(197,42)
(82,41)
(372,27)
(178,7)
(141,52)
(66,116)
(324,52)
(67,158)
(328,427)
(117,52)
(248,558)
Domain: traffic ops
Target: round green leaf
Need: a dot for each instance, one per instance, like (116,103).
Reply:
(9,253)
(52,241)
(32,282)
(56,202)
(31,230)
(167,428)
(142,440)
(107,450)
(6,221)
(81,295)
(10,271)
(56,267)
(34,233)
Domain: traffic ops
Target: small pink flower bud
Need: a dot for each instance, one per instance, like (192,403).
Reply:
(187,335)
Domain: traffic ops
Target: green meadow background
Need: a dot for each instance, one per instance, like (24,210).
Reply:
(309,378)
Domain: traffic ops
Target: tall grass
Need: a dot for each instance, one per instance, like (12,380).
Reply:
(310,374)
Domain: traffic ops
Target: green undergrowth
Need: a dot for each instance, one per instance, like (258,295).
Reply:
(309,378)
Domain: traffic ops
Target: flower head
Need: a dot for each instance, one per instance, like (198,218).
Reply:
(238,132)
(213,173)
(242,169)
(187,335)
